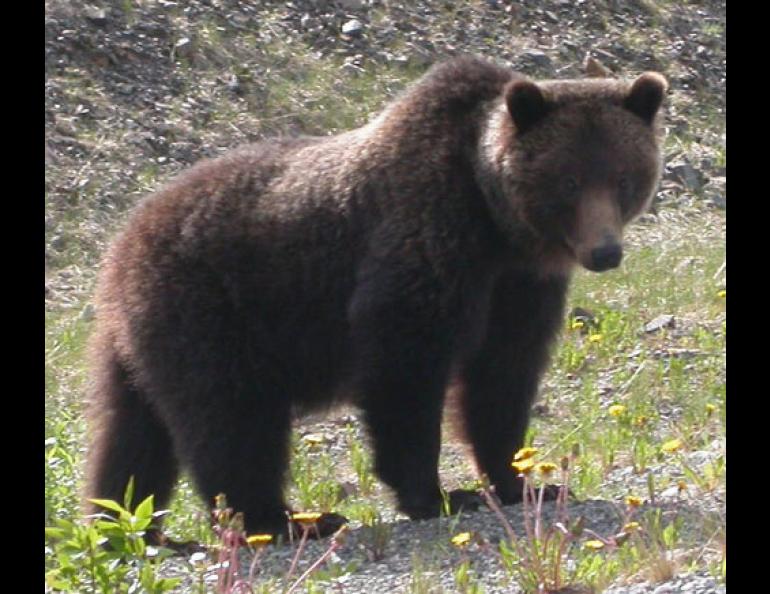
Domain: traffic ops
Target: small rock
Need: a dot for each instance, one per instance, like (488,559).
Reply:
(717,199)
(686,174)
(684,264)
(664,589)
(670,493)
(538,58)
(349,489)
(715,192)
(233,84)
(98,16)
(679,126)
(314,439)
(353,28)
(573,589)
(595,69)
(58,243)
(50,156)
(549,16)
(605,54)
(184,47)
(87,313)
(699,457)
(663,321)
(350,5)
(308,23)
(583,315)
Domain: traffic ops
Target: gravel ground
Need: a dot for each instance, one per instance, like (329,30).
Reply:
(439,559)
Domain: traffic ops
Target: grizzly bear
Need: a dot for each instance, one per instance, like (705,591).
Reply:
(432,246)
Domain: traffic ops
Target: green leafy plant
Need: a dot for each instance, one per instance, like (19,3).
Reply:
(375,533)
(110,553)
(361,461)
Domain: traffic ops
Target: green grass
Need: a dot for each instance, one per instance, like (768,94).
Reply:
(64,424)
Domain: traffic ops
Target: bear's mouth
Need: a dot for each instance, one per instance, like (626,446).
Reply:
(566,247)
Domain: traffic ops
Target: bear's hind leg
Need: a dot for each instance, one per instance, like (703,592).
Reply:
(129,440)
(244,455)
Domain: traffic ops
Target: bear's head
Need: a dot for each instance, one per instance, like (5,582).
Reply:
(575,161)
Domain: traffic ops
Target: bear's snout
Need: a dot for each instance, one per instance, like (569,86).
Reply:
(605,257)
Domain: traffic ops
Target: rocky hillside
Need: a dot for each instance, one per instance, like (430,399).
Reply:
(137,90)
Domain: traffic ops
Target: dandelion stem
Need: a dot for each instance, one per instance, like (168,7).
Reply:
(503,520)
(332,547)
(300,547)
(539,512)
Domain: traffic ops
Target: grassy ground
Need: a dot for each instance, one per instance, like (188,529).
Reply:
(670,383)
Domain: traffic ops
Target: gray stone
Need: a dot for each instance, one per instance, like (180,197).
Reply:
(684,173)
(663,321)
(87,313)
(715,192)
(538,58)
(351,5)
(184,47)
(550,16)
(233,84)
(98,16)
(308,23)
(353,28)
(717,199)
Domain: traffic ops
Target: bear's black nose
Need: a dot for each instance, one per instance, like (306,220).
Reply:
(606,257)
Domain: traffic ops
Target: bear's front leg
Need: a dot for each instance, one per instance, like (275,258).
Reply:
(500,381)
(404,423)
(403,414)
(402,352)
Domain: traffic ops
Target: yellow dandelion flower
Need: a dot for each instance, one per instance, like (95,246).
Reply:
(595,338)
(617,410)
(256,540)
(306,517)
(594,545)
(524,467)
(631,527)
(524,454)
(671,446)
(462,539)
(722,294)
(632,501)
(710,409)
(641,421)
(577,325)
(546,468)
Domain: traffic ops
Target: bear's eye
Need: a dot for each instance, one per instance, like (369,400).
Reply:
(571,186)
(623,184)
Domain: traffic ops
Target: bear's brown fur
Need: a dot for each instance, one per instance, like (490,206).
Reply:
(433,245)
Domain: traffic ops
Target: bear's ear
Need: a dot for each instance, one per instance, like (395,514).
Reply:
(646,95)
(526,104)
